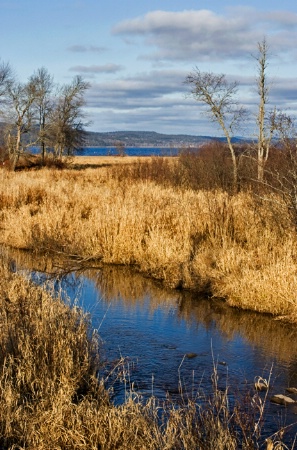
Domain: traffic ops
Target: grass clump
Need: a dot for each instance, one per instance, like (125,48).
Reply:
(48,361)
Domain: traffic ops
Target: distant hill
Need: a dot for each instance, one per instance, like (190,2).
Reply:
(145,139)
(133,139)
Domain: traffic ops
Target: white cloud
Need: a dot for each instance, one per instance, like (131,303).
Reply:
(105,68)
(203,34)
(78,48)
(157,100)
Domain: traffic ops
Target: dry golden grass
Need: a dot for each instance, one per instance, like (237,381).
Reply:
(85,162)
(230,246)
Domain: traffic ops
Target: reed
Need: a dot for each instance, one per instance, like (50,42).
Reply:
(235,247)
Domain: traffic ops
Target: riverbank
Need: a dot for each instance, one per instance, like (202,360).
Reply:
(234,247)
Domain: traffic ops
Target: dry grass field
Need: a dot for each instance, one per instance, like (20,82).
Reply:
(233,247)
(86,162)
(107,160)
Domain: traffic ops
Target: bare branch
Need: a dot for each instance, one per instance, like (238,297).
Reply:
(218,95)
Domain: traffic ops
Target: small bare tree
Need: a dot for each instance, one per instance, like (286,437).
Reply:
(19,116)
(43,104)
(219,97)
(120,148)
(66,128)
(6,78)
(282,178)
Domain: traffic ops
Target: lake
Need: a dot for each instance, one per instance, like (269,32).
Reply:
(129,151)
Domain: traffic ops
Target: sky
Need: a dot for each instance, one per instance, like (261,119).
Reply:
(137,54)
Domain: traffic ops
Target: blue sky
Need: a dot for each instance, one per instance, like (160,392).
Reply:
(136,55)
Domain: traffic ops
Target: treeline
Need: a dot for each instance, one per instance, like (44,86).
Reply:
(40,112)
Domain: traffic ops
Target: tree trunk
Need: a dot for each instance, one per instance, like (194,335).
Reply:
(263,139)
(233,157)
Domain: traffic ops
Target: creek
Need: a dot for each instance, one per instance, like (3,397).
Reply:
(164,342)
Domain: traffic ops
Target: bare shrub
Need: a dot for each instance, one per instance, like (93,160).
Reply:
(54,163)
(3,155)
(158,169)
(209,167)
(281,179)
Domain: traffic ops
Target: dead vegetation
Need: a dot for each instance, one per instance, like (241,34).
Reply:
(240,247)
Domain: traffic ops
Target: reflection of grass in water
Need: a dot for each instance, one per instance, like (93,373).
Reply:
(258,329)
(132,287)
(51,399)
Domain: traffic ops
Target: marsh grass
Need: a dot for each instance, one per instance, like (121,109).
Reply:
(48,361)
(235,247)
(52,398)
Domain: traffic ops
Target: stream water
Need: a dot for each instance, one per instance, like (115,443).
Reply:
(161,342)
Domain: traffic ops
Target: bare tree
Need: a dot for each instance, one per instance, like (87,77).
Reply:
(219,97)
(6,78)
(282,177)
(66,126)
(20,116)
(265,124)
(43,103)
(120,148)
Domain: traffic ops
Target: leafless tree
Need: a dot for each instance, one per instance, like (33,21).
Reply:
(120,148)
(282,177)
(43,104)
(265,122)
(19,116)
(66,125)
(6,78)
(219,95)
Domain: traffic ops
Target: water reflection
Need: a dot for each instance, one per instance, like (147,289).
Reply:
(273,338)
(170,339)
(132,290)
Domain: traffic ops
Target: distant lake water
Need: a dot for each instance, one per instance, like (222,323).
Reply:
(129,151)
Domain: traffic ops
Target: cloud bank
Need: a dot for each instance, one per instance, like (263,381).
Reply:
(174,43)
(203,34)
